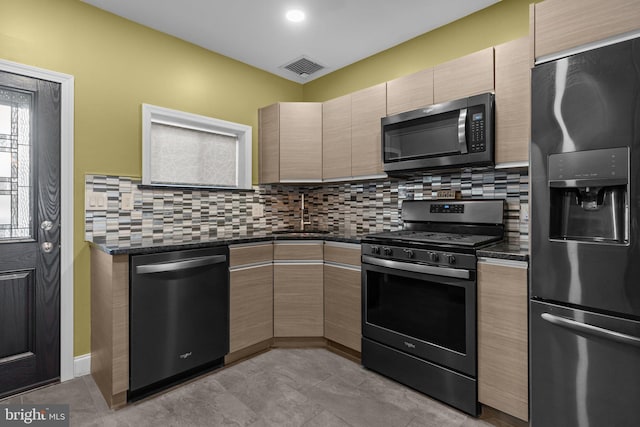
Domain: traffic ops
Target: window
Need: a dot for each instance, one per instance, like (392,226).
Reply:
(16,165)
(183,149)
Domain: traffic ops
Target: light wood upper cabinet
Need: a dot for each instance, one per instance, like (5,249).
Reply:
(251,295)
(298,306)
(410,92)
(336,138)
(368,106)
(502,338)
(469,75)
(560,25)
(269,143)
(513,101)
(290,140)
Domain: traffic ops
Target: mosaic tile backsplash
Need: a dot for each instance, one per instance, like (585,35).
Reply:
(359,207)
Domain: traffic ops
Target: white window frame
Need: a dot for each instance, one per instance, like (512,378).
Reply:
(154,114)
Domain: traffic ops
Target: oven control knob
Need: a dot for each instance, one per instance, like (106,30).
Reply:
(433,256)
(375,250)
(387,251)
(409,253)
(451,259)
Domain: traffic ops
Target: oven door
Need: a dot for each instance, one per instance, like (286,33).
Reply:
(431,316)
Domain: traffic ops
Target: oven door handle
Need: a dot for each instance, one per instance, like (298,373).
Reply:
(462,131)
(457,273)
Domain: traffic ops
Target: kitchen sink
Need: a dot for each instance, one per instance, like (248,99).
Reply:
(298,233)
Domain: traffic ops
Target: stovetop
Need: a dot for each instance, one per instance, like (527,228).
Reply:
(436,237)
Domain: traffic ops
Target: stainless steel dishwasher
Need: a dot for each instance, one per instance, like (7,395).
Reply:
(179,317)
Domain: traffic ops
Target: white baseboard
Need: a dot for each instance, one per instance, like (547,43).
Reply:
(82,365)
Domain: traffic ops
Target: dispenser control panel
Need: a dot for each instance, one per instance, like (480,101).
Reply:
(590,165)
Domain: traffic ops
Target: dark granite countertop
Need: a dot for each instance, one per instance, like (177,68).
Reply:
(508,250)
(129,247)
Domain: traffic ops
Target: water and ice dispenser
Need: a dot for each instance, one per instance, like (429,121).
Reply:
(589,196)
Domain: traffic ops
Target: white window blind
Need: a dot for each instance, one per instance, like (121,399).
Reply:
(183,149)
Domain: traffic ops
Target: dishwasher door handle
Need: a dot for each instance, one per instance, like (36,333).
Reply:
(184,264)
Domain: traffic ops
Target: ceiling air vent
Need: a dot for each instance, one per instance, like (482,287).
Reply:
(303,67)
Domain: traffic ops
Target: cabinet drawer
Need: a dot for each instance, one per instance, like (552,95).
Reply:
(254,254)
(342,253)
(303,251)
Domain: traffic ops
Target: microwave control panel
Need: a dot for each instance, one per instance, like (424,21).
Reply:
(477,139)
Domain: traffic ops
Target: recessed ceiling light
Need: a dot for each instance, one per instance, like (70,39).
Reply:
(295,15)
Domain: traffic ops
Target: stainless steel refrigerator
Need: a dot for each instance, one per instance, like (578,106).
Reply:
(585,239)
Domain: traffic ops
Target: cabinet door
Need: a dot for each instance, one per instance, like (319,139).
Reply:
(564,24)
(336,138)
(300,141)
(297,300)
(513,101)
(469,75)
(269,143)
(368,106)
(410,92)
(251,306)
(342,305)
(502,338)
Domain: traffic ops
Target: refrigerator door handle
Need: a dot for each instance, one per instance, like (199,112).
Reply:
(593,330)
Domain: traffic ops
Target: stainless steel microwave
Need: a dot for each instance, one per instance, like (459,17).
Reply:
(454,133)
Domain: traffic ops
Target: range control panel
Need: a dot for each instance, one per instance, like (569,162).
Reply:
(447,208)
(425,256)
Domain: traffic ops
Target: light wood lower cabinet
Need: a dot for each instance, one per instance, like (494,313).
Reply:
(251,306)
(342,307)
(110,325)
(298,289)
(251,295)
(342,294)
(502,337)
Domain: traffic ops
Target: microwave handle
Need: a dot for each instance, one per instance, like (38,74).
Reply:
(462,131)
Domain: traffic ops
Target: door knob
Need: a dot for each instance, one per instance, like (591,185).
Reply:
(47,247)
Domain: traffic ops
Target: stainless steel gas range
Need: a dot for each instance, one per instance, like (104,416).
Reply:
(419,297)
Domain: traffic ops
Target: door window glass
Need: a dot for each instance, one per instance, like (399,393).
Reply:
(16,175)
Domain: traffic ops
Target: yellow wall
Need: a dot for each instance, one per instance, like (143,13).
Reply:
(504,21)
(118,65)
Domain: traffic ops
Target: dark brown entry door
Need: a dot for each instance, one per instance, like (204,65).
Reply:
(29,232)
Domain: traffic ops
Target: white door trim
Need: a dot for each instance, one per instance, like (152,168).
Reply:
(66,205)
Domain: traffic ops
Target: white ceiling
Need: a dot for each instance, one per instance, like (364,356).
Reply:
(335,33)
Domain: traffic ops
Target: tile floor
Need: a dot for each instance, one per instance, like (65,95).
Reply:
(283,387)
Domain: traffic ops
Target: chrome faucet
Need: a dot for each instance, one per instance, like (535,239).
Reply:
(304,213)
